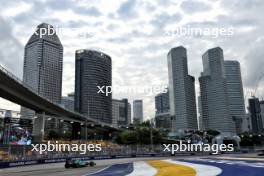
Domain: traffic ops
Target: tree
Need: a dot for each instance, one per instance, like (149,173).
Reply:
(53,135)
(140,135)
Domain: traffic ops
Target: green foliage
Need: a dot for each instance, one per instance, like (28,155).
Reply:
(128,137)
(213,132)
(53,135)
(248,139)
(140,135)
(66,135)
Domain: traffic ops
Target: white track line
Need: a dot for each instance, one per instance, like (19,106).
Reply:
(97,171)
(201,170)
(141,168)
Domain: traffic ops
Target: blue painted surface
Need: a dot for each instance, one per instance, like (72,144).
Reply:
(231,168)
(116,170)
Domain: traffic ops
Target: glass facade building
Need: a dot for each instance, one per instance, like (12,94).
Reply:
(214,95)
(235,94)
(163,118)
(93,69)
(121,113)
(181,91)
(137,111)
(43,62)
(255,115)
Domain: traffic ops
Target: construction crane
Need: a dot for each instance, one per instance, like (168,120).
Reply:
(253,93)
(257,86)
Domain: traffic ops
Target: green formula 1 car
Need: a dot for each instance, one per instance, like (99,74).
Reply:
(77,163)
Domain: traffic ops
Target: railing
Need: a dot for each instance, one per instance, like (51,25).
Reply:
(11,153)
(15,78)
(33,90)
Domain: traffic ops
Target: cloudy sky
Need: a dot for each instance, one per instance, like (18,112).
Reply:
(137,34)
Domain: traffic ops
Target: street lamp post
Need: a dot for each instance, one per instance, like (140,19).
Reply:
(88,115)
(151,135)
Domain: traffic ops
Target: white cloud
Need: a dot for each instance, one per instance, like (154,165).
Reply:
(132,33)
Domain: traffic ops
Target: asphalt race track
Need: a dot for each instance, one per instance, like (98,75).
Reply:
(231,168)
(150,166)
(57,169)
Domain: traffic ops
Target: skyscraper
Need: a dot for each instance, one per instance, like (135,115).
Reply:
(137,111)
(163,118)
(43,64)
(255,114)
(182,91)
(162,103)
(262,111)
(235,94)
(43,59)
(121,112)
(214,96)
(93,69)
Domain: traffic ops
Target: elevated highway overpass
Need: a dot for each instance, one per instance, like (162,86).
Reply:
(15,90)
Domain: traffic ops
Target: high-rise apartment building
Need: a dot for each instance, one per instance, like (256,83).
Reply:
(181,90)
(93,69)
(213,89)
(43,59)
(137,111)
(235,94)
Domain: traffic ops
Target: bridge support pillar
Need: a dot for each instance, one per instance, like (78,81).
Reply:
(38,127)
(76,130)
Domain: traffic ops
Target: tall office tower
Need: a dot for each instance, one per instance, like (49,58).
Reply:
(262,112)
(137,111)
(162,116)
(182,91)
(255,114)
(214,96)
(121,113)
(43,59)
(235,94)
(93,69)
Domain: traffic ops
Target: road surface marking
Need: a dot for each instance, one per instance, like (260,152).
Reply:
(115,170)
(241,158)
(231,170)
(231,162)
(168,169)
(201,169)
(141,168)
(97,171)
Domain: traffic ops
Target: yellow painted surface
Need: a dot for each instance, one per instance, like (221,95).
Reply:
(168,169)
